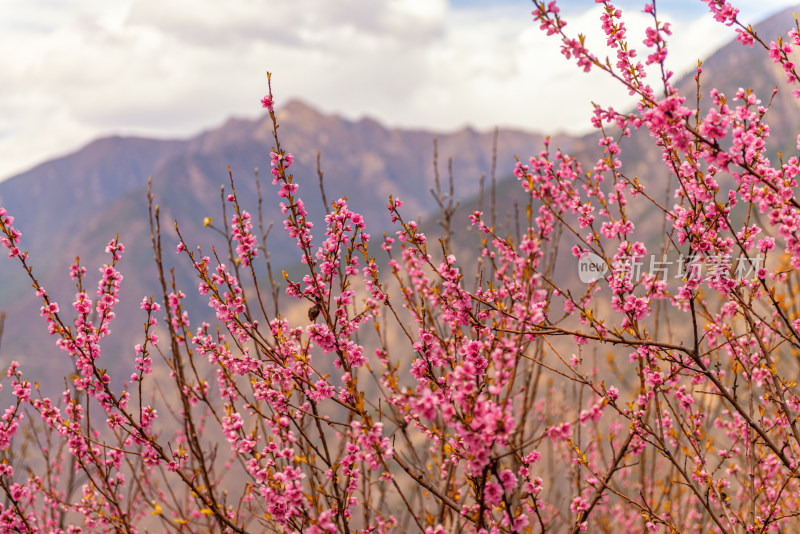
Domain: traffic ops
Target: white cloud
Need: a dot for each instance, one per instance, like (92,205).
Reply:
(74,71)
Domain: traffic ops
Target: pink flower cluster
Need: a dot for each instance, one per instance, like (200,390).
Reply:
(492,394)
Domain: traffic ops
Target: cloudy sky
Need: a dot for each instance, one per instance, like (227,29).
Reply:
(71,71)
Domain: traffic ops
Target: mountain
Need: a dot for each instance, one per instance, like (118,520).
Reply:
(72,206)
(735,66)
(729,68)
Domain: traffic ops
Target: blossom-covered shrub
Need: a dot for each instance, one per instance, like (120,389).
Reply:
(416,393)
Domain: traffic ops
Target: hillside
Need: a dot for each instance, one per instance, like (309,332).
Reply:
(72,206)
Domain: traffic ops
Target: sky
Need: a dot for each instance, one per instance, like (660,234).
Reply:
(75,70)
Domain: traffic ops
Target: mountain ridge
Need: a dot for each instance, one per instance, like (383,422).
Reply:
(73,205)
